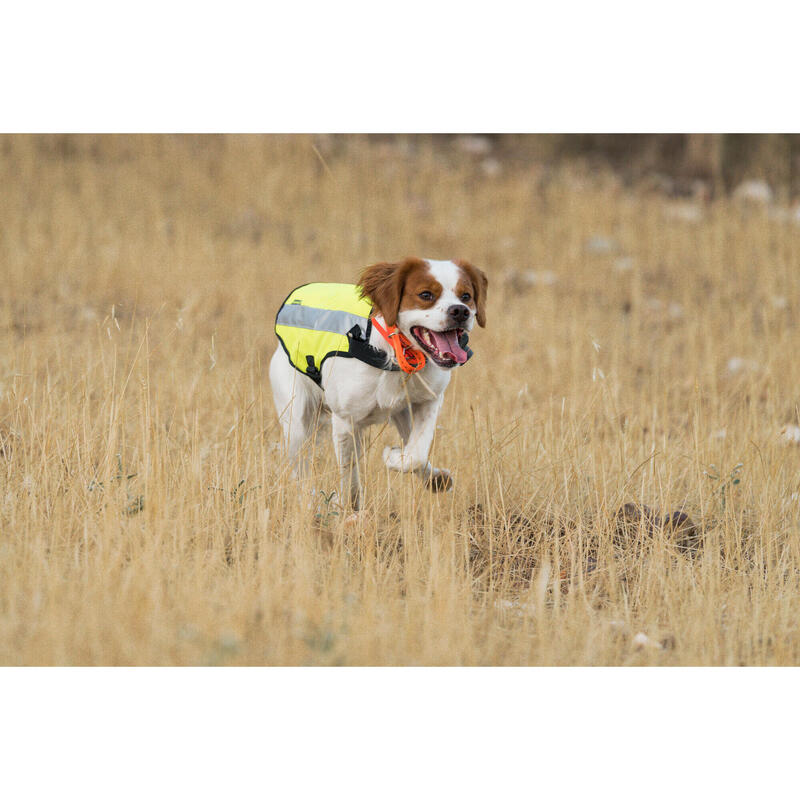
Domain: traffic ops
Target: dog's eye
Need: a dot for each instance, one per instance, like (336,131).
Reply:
(466,297)
(427,296)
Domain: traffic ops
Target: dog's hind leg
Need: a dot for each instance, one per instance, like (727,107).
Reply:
(297,400)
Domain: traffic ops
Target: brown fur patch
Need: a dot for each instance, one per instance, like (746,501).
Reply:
(420,280)
(384,284)
(478,285)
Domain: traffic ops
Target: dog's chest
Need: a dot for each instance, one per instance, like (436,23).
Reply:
(355,390)
(396,390)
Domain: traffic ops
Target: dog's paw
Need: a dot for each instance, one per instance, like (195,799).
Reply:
(439,480)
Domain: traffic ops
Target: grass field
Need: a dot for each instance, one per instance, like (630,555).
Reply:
(640,349)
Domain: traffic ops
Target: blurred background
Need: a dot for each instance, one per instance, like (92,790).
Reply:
(679,163)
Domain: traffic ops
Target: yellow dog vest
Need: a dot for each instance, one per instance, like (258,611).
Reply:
(322,320)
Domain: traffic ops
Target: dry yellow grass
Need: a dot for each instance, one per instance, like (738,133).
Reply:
(147,517)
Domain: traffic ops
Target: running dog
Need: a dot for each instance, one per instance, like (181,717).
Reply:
(379,350)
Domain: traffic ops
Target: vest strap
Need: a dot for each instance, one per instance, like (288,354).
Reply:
(361,349)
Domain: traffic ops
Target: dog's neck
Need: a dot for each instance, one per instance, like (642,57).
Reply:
(377,341)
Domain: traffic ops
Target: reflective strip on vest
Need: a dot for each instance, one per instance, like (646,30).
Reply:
(319,319)
(314,320)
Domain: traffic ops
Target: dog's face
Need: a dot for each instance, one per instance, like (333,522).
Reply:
(431,302)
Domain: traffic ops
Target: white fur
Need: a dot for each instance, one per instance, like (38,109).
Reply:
(357,395)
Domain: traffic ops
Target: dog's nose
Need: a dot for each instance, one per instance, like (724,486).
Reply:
(458,313)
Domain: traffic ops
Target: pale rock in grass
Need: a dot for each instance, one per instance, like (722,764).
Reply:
(790,434)
(515,607)
(542,278)
(474,145)
(522,280)
(188,632)
(601,245)
(675,310)
(491,167)
(228,641)
(624,264)
(642,641)
(684,212)
(722,433)
(753,192)
(737,364)
(653,304)
(779,302)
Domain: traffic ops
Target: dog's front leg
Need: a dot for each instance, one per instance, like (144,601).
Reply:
(347,444)
(413,456)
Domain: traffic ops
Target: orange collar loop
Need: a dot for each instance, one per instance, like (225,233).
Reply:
(408,357)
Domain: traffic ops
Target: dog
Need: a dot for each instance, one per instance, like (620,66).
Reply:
(394,364)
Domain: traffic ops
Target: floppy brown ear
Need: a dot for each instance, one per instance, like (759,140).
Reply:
(383,284)
(480,284)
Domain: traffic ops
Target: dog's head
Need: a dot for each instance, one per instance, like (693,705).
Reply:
(431,302)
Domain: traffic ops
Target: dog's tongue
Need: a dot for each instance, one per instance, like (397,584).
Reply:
(447,343)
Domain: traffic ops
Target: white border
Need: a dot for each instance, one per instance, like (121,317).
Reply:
(398,732)
(416,66)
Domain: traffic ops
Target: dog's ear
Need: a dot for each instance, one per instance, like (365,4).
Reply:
(383,285)
(480,284)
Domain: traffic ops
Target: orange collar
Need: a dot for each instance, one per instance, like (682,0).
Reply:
(408,357)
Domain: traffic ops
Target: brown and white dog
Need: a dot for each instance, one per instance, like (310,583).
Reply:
(431,302)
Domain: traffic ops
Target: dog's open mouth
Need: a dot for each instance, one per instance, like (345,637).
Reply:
(442,346)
